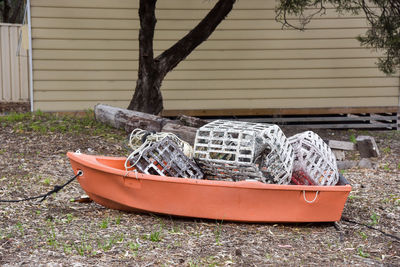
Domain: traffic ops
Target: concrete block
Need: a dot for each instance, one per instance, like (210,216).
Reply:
(367,147)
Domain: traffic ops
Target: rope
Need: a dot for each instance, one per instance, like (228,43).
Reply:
(56,189)
(370,227)
(308,201)
(140,139)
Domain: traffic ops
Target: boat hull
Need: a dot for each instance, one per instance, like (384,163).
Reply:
(105,181)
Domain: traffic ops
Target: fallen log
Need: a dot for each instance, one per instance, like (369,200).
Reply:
(192,121)
(185,133)
(128,119)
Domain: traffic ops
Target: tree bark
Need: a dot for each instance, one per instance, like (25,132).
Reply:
(152,71)
(6,11)
(147,97)
(127,119)
(185,133)
(170,58)
(16,12)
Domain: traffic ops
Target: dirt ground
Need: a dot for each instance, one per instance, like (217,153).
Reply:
(59,232)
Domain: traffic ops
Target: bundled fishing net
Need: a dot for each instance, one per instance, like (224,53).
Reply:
(314,161)
(161,154)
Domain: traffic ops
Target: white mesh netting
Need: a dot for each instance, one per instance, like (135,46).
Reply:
(314,158)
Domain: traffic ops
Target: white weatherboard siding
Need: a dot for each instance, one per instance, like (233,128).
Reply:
(85,52)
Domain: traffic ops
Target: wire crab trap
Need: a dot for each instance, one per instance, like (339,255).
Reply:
(236,150)
(163,158)
(278,164)
(314,161)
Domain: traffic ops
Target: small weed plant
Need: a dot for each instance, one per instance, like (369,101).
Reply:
(104,223)
(391,199)
(155,236)
(362,253)
(353,139)
(363,235)
(217,232)
(107,244)
(386,167)
(386,150)
(118,220)
(83,248)
(133,246)
(20,228)
(51,238)
(351,197)
(374,219)
(67,248)
(70,217)
(46,181)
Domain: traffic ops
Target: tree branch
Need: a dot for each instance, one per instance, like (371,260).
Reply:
(146,33)
(180,50)
(288,8)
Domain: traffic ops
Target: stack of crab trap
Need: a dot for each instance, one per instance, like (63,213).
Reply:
(236,151)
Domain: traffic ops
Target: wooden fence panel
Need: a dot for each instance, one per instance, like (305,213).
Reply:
(14,66)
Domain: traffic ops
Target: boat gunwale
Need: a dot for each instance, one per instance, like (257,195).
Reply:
(92,162)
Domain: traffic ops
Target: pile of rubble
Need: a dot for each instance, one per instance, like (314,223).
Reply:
(236,151)
(363,147)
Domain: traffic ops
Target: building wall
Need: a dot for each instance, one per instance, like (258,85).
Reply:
(85,52)
(13,65)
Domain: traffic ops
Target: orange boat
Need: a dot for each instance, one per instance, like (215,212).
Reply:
(106,181)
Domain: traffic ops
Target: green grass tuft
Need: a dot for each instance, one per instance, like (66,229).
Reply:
(48,123)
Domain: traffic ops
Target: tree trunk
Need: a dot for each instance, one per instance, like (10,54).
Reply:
(16,12)
(6,11)
(147,97)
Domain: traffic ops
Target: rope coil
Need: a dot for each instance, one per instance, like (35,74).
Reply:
(140,139)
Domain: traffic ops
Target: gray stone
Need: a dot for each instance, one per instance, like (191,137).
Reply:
(342,145)
(365,164)
(367,147)
(339,154)
(346,164)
